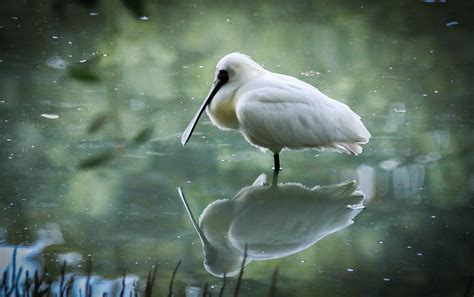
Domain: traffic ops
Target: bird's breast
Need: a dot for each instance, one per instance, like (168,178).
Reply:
(222,113)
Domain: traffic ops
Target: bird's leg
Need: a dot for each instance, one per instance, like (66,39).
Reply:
(276,168)
(276,162)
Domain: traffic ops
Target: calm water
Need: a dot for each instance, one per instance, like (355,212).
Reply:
(94,98)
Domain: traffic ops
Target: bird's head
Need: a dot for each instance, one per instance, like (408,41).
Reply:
(237,68)
(214,222)
(231,71)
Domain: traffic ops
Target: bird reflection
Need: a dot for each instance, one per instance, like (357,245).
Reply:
(272,220)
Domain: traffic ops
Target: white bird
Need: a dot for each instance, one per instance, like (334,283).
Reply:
(273,221)
(275,111)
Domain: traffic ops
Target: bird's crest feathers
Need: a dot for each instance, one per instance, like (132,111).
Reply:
(238,59)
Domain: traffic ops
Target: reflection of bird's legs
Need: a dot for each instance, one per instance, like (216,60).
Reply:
(275,178)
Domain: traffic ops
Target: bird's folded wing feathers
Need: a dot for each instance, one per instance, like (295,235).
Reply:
(296,117)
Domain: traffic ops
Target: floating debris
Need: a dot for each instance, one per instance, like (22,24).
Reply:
(311,73)
(452,23)
(49,116)
(56,62)
(399,110)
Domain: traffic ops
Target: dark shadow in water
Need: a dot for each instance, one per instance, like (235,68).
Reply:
(274,220)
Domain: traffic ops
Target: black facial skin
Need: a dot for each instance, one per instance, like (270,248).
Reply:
(223,76)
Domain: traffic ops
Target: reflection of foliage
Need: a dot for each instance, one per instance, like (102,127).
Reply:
(136,7)
(102,158)
(87,71)
(97,123)
(143,136)
(97,160)
(85,74)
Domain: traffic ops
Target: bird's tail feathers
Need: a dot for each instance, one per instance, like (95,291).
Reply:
(347,147)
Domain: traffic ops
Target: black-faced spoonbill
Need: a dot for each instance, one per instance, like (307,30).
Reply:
(275,111)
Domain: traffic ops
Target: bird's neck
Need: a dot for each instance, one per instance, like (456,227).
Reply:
(221,111)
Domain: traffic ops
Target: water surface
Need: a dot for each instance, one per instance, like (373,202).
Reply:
(94,98)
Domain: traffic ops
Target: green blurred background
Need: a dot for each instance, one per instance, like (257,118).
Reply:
(95,94)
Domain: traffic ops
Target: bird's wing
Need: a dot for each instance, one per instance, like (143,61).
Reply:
(281,112)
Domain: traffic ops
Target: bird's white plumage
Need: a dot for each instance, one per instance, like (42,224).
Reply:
(272,220)
(275,111)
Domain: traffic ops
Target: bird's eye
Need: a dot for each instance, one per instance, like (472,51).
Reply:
(223,76)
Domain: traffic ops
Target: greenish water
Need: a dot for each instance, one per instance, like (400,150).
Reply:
(93,101)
